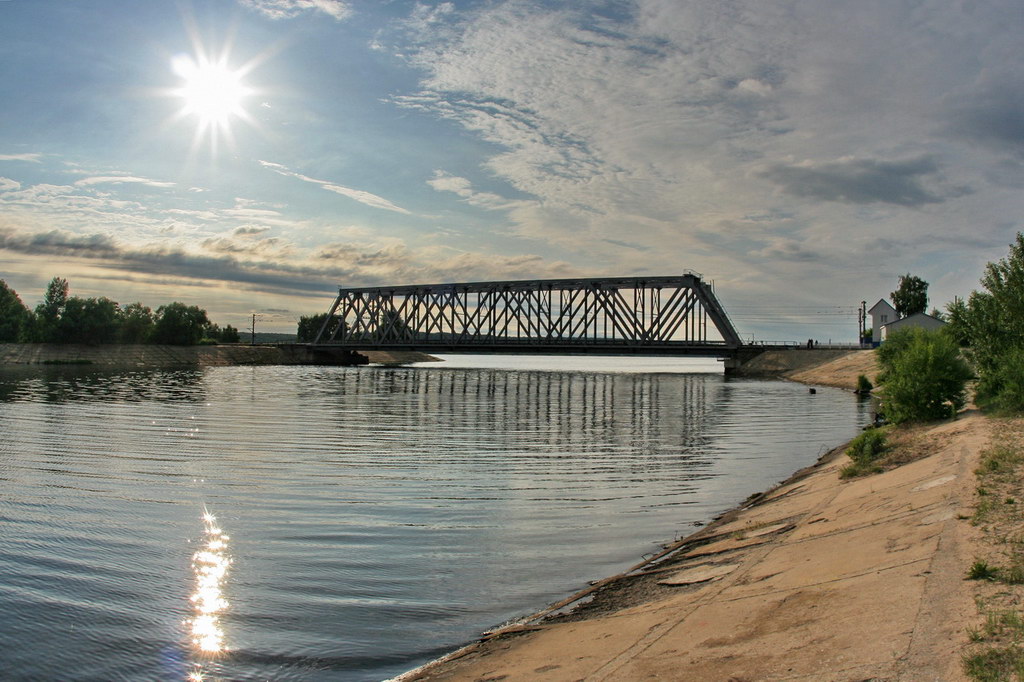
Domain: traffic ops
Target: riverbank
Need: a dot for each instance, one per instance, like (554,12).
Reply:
(161,356)
(837,368)
(818,579)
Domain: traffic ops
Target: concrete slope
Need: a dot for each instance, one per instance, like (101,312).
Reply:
(821,579)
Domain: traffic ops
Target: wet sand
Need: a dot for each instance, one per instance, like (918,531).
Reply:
(817,579)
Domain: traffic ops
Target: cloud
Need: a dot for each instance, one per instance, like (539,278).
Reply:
(627,245)
(992,117)
(119,180)
(444,182)
(59,243)
(6,184)
(603,121)
(249,230)
(361,196)
(271,247)
(34,158)
(287,9)
(788,249)
(270,266)
(860,181)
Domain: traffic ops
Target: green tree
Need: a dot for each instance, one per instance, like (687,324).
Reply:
(911,295)
(48,312)
(87,320)
(958,321)
(136,323)
(14,315)
(179,325)
(309,327)
(994,329)
(923,375)
(229,334)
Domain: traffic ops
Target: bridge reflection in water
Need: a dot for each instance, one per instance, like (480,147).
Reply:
(674,315)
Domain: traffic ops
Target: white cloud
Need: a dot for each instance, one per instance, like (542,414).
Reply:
(359,195)
(34,158)
(287,9)
(445,182)
(6,184)
(120,180)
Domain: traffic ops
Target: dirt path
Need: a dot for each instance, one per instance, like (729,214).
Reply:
(821,579)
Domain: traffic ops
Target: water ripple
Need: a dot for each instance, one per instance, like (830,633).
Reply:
(377,517)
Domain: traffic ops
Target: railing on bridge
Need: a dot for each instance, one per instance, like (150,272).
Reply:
(602,314)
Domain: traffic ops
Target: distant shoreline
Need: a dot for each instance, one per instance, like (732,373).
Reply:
(162,356)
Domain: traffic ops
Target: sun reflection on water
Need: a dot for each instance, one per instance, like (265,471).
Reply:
(210,566)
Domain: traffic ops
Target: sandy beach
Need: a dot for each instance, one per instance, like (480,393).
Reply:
(819,578)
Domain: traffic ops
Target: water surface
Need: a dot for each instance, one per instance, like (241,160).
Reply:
(305,523)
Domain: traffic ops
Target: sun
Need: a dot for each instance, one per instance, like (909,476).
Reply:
(212,91)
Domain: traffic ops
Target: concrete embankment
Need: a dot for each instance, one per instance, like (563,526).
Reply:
(140,355)
(838,368)
(820,578)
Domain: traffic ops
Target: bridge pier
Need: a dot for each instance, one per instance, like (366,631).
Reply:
(308,354)
(740,357)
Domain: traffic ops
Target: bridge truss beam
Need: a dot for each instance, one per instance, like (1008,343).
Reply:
(624,313)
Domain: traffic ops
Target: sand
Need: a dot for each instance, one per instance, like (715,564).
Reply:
(818,579)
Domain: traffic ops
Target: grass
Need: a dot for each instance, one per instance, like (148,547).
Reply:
(981,570)
(996,649)
(995,664)
(1002,459)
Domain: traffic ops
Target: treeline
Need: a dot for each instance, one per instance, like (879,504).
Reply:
(62,318)
(925,374)
(989,326)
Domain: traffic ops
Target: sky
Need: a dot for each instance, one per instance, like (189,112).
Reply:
(799,154)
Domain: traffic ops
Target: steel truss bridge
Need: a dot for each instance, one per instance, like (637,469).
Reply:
(616,315)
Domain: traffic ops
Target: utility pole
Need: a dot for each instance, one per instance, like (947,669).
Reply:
(253,331)
(862,315)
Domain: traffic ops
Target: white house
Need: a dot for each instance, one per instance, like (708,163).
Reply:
(916,320)
(882,313)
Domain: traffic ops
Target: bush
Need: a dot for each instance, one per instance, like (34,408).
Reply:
(981,570)
(1002,389)
(865,450)
(868,446)
(863,384)
(925,377)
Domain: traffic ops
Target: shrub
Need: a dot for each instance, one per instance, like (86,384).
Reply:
(981,570)
(924,376)
(863,384)
(1002,388)
(865,450)
(868,446)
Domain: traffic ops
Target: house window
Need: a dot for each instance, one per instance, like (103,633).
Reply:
(885,318)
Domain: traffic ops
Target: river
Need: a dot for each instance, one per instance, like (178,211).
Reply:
(328,523)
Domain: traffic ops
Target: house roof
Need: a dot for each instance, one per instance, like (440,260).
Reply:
(884,304)
(913,317)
